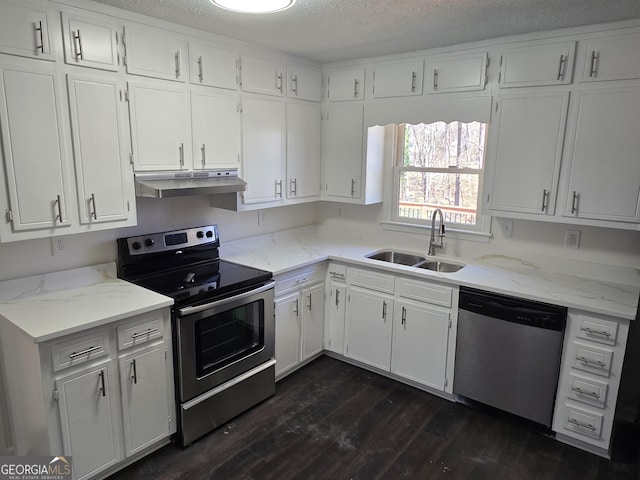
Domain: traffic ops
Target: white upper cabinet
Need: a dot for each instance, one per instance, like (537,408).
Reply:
(160,126)
(604,171)
(345,85)
(212,66)
(215,126)
(611,58)
(304,83)
(90,42)
(263,76)
(527,151)
(155,53)
(103,174)
(536,65)
(398,79)
(33,152)
(24,30)
(263,131)
(303,150)
(456,73)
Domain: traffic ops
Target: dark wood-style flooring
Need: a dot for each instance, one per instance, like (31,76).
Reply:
(332,420)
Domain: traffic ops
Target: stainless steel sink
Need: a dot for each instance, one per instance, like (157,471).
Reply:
(396,257)
(438,266)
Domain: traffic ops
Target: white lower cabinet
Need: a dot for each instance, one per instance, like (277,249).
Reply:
(336,307)
(288,331)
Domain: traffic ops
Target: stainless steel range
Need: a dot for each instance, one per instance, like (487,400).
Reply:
(223,323)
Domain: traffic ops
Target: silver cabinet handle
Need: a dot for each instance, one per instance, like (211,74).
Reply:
(309,297)
(404,317)
(592,68)
(561,68)
(181,150)
(59,203)
(355,87)
(584,392)
(545,196)
(177,57)
(279,188)
(78,43)
(574,202)
(294,84)
(149,331)
(578,423)
(41,32)
(337,275)
(103,389)
(200,74)
(94,212)
(435,79)
(353,187)
(204,157)
(296,307)
(413,81)
(84,352)
(337,297)
(134,370)
(592,362)
(384,311)
(596,332)
(294,186)
(279,82)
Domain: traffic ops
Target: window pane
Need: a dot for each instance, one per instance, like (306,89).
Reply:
(455,194)
(442,145)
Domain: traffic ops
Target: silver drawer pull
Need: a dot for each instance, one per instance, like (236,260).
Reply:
(582,425)
(596,332)
(147,332)
(85,352)
(593,362)
(337,275)
(584,392)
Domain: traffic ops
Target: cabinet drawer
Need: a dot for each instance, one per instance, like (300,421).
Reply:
(141,330)
(338,272)
(598,330)
(373,280)
(425,292)
(586,390)
(592,359)
(79,350)
(299,278)
(583,422)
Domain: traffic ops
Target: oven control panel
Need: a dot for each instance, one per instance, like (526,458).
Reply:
(174,240)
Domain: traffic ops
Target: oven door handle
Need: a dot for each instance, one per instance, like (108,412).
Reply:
(201,308)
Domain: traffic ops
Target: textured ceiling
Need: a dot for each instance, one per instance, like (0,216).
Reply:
(332,30)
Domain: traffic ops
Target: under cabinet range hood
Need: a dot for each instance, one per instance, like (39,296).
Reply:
(180,184)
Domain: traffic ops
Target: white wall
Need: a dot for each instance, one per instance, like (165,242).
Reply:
(20,259)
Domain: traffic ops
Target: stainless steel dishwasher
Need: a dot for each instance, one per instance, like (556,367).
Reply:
(508,353)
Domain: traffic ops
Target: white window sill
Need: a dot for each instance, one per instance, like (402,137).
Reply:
(474,236)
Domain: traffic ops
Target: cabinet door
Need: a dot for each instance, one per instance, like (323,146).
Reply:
(604,178)
(368,327)
(536,65)
(215,121)
(344,85)
(288,332)
(160,133)
(420,339)
(457,73)
(103,174)
(398,79)
(88,419)
(90,42)
(342,152)
(528,151)
(262,76)
(611,58)
(312,321)
(154,53)
(24,30)
(262,147)
(304,83)
(336,317)
(303,150)
(212,66)
(143,383)
(33,153)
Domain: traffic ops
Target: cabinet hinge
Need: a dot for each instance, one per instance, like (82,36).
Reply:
(328,87)
(169,420)
(488,60)
(118,57)
(56,395)
(117,36)
(501,60)
(499,76)
(165,357)
(239,107)
(124,60)
(239,72)
(347,349)
(9,216)
(496,107)
(126,95)
(446,382)
(131,158)
(124,42)
(488,197)
(128,206)
(449,323)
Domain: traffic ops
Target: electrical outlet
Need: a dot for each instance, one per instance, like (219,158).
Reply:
(572,239)
(57,246)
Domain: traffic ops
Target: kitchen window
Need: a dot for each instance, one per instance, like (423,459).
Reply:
(439,165)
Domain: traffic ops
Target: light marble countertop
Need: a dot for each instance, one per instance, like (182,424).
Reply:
(56,304)
(591,287)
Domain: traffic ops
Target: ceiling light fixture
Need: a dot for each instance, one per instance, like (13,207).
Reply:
(254,6)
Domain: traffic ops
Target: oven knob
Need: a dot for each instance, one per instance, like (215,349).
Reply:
(200,234)
(136,245)
(149,242)
(209,234)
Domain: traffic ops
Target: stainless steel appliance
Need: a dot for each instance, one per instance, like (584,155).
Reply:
(508,353)
(223,323)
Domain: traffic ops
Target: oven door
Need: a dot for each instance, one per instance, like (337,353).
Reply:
(223,339)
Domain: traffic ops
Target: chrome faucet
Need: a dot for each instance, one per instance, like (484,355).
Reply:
(432,241)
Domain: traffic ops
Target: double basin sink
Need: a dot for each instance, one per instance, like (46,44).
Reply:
(412,260)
